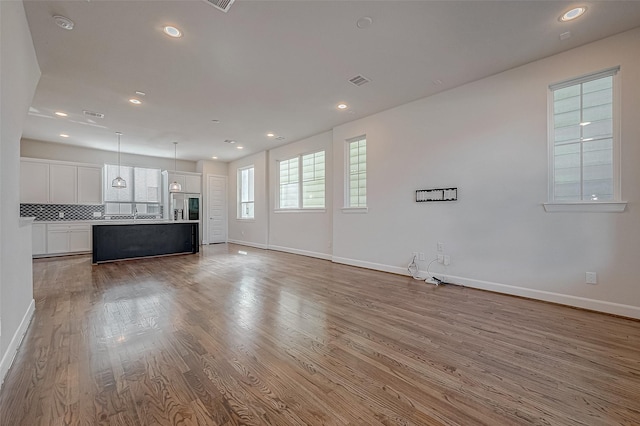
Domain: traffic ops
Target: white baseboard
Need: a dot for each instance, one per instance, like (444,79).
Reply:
(370,265)
(248,243)
(12,349)
(315,254)
(547,296)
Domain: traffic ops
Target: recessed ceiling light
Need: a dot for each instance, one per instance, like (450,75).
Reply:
(135,101)
(240,147)
(573,14)
(63,22)
(172,31)
(215,158)
(61,114)
(364,22)
(270,135)
(64,135)
(342,106)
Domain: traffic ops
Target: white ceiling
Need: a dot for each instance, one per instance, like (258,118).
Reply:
(274,66)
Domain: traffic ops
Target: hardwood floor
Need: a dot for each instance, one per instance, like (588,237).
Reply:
(268,338)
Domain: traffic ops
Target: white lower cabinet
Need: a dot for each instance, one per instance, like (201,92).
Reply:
(39,239)
(68,238)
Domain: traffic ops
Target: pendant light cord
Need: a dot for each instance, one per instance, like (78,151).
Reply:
(119,174)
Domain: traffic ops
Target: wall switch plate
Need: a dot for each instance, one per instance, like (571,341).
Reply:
(61,215)
(97,214)
(591,278)
(440,246)
(440,258)
(447,260)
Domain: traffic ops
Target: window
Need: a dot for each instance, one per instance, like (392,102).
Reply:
(357,172)
(142,194)
(583,139)
(245,193)
(302,187)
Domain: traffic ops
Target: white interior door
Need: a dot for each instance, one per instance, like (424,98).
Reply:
(217,209)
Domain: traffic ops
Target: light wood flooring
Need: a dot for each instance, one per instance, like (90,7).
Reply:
(269,338)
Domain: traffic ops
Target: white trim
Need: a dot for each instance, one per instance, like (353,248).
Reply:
(589,206)
(248,243)
(16,340)
(585,78)
(355,209)
(546,296)
(240,219)
(324,256)
(614,72)
(309,210)
(370,265)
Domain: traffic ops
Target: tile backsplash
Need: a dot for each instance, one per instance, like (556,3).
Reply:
(51,212)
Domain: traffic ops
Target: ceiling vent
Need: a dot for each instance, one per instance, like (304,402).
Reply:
(359,80)
(93,114)
(223,5)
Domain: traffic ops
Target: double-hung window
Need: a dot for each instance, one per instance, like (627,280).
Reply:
(245,193)
(356,188)
(584,140)
(301,182)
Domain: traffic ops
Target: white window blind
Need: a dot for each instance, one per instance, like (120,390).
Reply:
(302,182)
(357,172)
(142,194)
(121,195)
(313,173)
(246,193)
(583,139)
(289,180)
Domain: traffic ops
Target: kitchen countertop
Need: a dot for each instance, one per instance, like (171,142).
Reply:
(112,222)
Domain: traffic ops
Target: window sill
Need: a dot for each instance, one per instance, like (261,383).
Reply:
(300,211)
(589,206)
(245,219)
(359,210)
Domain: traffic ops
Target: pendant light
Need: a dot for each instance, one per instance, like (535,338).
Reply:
(175,186)
(118,182)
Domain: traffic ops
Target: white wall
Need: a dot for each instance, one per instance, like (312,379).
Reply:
(489,139)
(62,152)
(18,79)
(307,233)
(253,232)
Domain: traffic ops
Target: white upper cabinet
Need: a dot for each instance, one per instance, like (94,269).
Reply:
(63,184)
(89,185)
(190,183)
(34,182)
(51,182)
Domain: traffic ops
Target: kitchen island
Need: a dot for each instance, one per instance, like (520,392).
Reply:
(113,240)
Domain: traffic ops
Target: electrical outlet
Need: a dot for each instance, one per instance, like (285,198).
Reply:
(591,278)
(422,256)
(97,214)
(440,258)
(447,260)
(61,215)
(440,246)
